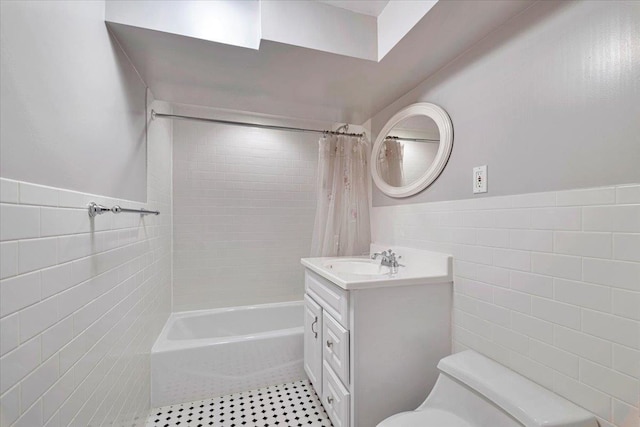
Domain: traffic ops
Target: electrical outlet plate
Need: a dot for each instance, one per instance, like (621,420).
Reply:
(480,179)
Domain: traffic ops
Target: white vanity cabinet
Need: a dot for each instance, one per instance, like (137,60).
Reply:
(326,346)
(372,352)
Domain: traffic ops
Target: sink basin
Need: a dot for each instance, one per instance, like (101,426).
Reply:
(363,267)
(349,273)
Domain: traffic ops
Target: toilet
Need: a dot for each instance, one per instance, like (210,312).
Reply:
(474,391)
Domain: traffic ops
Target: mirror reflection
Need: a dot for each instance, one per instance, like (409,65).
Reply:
(408,150)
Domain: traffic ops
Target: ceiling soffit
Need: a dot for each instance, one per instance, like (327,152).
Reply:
(287,80)
(309,24)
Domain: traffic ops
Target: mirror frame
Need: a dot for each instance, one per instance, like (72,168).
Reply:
(445,128)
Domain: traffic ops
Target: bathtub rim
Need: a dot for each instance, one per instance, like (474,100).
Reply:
(162,344)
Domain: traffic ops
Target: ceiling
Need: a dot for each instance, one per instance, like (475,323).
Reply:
(370,7)
(285,80)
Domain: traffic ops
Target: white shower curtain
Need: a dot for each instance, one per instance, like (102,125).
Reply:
(342,211)
(390,163)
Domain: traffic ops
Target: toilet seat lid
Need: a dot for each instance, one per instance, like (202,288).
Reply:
(425,418)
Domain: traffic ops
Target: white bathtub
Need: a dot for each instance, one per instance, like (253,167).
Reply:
(209,353)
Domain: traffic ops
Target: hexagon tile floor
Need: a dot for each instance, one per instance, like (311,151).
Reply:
(286,405)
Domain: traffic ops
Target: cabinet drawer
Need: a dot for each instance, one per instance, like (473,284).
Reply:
(332,298)
(335,397)
(335,350)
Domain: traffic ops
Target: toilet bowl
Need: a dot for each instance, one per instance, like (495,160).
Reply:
(474,391)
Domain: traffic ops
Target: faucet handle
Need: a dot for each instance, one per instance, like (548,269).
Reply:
(393,259)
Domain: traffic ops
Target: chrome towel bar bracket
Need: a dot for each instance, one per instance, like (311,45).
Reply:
(96,209)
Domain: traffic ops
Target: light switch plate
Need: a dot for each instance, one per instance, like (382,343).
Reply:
(480,179)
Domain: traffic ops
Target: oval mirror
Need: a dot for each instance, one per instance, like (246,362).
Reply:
(412,150)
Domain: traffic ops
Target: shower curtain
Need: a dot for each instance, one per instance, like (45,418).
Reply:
(390,163)
(342,211)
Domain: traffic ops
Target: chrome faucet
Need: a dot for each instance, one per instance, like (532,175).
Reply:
(389,259)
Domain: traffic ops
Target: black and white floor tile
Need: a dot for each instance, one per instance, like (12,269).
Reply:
(286,405)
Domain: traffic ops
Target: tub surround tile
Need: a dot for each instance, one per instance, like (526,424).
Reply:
(245,197)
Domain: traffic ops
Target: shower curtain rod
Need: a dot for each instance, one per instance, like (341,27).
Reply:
(402,138)
(155,114)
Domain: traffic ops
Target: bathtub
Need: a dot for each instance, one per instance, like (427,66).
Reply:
(209,353)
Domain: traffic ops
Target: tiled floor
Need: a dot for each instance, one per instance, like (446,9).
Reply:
(287,405)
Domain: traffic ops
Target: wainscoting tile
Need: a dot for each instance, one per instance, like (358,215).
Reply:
(573,290)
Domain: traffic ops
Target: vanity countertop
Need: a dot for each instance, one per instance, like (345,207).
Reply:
(420,267)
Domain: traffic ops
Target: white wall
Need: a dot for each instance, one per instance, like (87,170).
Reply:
(244,205)
(549,101)
(547,284)
(81,300)
(72,106)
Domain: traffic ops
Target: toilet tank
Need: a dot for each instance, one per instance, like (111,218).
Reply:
(523,400)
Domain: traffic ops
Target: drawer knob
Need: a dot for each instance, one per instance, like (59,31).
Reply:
(329,344)
(329,400)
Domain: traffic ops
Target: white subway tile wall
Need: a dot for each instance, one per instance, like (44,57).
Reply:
(548,284)
(81,300)
(244,207)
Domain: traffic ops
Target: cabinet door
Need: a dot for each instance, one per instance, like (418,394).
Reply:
(313,342)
